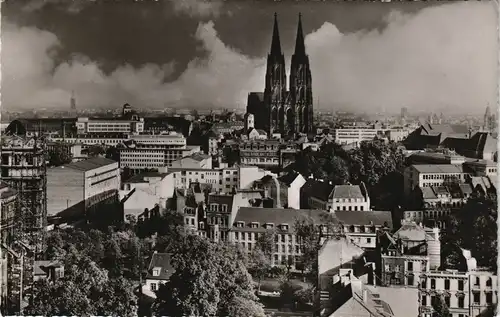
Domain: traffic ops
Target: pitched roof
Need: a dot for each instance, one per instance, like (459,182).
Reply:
(288,178)
(319,190)
(428,193)
(410,231)
(199,157)
(90,164)
(163,261)
(347,191)
(278,216)
(370,217)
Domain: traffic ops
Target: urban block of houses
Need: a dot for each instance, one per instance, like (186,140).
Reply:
(284,190)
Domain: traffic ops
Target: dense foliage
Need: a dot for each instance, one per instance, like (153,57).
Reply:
(210,279)
(376,163)
(439,307)
(473,228)
(59,155)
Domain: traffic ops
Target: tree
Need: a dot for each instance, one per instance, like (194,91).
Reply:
(259,264)
(439,307)
(84,290)
(209,279)
(95,151)
(59,155)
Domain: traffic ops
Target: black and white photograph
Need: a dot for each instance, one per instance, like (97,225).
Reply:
(249,158)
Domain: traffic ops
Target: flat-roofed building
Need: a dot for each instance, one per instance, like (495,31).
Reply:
(109,125)
(74,188)
(138,157)
(428,175)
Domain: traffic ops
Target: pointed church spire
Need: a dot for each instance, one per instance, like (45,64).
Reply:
(275,44)
(300,49)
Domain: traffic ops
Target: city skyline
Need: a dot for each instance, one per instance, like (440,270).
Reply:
(209,55)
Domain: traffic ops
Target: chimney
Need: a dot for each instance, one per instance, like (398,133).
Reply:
(365,295)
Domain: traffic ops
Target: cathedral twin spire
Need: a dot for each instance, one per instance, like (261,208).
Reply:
(300,48)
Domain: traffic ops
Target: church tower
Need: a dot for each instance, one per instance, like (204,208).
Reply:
(275,89)
(300,87)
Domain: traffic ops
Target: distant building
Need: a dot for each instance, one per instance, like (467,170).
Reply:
(284,190)
(49,270)
(8,209)
(260,153)
(138,156)
(432,175)
(220,214)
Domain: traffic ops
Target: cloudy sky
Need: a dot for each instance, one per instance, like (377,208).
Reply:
(203,54)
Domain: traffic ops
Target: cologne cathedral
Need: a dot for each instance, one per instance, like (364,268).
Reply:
(278,109)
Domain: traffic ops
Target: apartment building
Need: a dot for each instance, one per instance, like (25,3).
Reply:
(225,180)
(8,206)
(260,153)
(362,227)
(354,136)
(220,213)
(227,127)
(251,222)
(110,125)
(76,187)
(465,293)
(326,196)
(407,254)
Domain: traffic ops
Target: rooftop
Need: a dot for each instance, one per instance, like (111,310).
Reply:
(163,261)
(347,191)
(439,168)
(90,164)
(142,177)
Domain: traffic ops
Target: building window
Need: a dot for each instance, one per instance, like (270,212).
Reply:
(153,287)
(476,297)
(489,282)
(461,302)
(489,297)
(460,285)
(410,266)
(368,240)
(433,283)
(447,284)
(447,300)
(424,300)
(236,235)
(411,279)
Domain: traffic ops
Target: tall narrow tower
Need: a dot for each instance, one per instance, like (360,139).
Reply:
(73,101)
(487,116)
(301,86)
(275,89)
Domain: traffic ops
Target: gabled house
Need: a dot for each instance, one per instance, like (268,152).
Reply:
(159,271)
(326,196)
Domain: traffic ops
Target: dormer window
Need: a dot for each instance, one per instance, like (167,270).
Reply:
(254,225)
(284,226)
(224,208)
(240,224)
(213,207)
(269,225)
(156,271)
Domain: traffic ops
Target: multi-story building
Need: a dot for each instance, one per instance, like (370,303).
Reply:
(362,227)
(220,213)
(197,160)
(23,169)
(260,153)
(284,190)
(407,254)
(136,156)
(75,188)
(110,125)
(326,196)
(225,180)
(251,222)
(354,136)
(427,175)
(465,293)
(227,127)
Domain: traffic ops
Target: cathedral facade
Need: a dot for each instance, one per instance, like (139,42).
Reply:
(282,109)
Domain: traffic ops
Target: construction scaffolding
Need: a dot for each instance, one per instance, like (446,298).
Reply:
(23,169)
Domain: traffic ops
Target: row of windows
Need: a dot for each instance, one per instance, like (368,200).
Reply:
(441,176)
(476,282)
(350,208)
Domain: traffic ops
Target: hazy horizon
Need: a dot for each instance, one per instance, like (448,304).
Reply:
(197,54)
